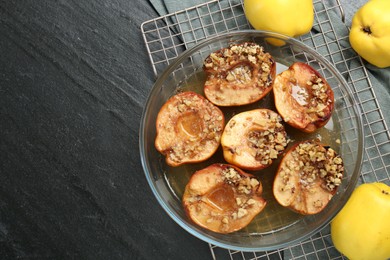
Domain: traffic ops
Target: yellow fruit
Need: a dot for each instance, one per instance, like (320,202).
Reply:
(361,230)
(289,17)
(370,32)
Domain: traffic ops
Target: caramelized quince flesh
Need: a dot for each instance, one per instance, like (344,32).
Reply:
(222,198)
(189,129)
(308,177)
(238,75)
(253,139)
(303,97)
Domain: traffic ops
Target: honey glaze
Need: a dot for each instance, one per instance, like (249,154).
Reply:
(190,124)
(221,197)
(273,217)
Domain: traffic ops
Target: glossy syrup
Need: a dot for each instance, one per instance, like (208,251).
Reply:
(274,217)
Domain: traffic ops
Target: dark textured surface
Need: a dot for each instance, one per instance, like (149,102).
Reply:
(74,76)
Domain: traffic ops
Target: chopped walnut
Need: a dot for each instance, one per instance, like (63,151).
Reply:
(319,98)
(317,161)
(269,143)
(243,185)
(242,213)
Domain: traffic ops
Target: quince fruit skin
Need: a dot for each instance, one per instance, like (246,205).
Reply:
(289,17)
(361,230)
(370,32)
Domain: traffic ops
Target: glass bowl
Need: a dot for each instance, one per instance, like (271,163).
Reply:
(275,227)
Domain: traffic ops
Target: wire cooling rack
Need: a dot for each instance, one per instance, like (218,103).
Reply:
(167,36)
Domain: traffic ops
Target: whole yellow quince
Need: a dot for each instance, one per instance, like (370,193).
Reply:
(289,17)
(370,32)
(361,230)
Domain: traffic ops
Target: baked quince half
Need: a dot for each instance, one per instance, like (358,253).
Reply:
(223,198)
(303,97)
(189,129)
(238,75)
(253,139)
(308,177)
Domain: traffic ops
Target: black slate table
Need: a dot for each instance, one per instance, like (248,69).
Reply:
(74,76)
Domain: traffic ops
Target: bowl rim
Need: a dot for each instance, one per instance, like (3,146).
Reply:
(321,59)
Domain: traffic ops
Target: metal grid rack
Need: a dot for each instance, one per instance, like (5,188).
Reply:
(167,36)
